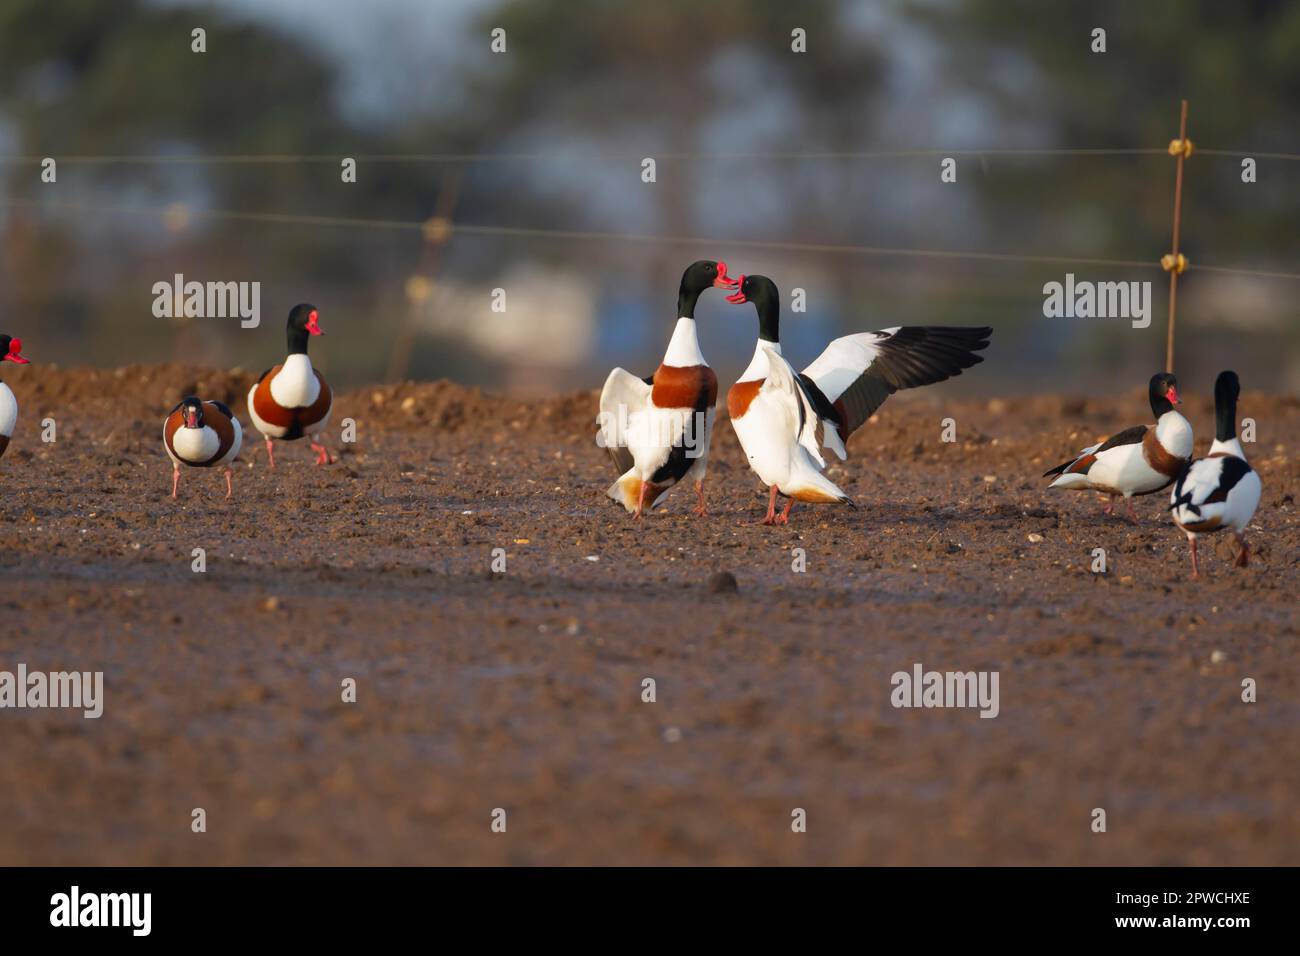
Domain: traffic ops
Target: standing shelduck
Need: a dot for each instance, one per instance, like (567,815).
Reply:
(657,429)
(10,351)
(1138,461)
(1220,490)
(784,418)
(292,400)
(202,435)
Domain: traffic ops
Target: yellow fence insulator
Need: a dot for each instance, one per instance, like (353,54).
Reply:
(1172,263)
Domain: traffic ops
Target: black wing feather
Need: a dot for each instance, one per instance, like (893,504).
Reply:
(913,356)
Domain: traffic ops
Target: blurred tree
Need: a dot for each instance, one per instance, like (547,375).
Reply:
(1237,63)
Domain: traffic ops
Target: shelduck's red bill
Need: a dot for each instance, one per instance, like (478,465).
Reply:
(724,281)
(15,347)
(313,323)
(1172,395)
(737,297)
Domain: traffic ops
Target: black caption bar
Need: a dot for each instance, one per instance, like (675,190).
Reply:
(134,906)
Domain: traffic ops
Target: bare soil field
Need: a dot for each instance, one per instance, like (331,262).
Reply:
(523,690)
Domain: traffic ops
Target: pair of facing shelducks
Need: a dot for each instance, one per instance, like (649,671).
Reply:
(287,402)
(782,418)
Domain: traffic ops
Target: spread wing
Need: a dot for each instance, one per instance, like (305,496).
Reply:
(622,397)
(858,372)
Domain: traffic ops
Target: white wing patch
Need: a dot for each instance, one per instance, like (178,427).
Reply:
(623,396)
(1202,480)
(845,360)
(781,382)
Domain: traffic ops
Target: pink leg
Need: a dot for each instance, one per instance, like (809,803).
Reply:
(176,478)
(1243,559)
(270,453)
(700,509)
(1109,508)
(230,485)
(1128,502)
(771,507)
(784,516)
(323,457)
(640,501)
(1196,571)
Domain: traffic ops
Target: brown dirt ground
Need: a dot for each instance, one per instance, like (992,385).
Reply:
(523,690)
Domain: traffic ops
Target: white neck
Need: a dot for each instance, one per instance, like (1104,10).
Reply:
(295,385)
(1175,433)
(684,346)
(758,365)
(1230,447)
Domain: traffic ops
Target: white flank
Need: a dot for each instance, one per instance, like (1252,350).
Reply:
(8,411)
(267,429)
(230,456)
(1123,468)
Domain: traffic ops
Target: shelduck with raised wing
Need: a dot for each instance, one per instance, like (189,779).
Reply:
(292,399)
(202,435)
(1220,490)
(11,350)
(1138,461)
(657,429)
(784,418)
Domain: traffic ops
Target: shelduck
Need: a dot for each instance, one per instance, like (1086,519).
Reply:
(202,435)
(292,399)
(10,351)
(784,418)
(657,429)
(1138,461)
(1220,490)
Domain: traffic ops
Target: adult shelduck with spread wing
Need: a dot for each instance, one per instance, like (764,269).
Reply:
(784,418)
(202,435)
(657,429)
(1220,490)
(11,350)
(1138,461)
(292,400)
